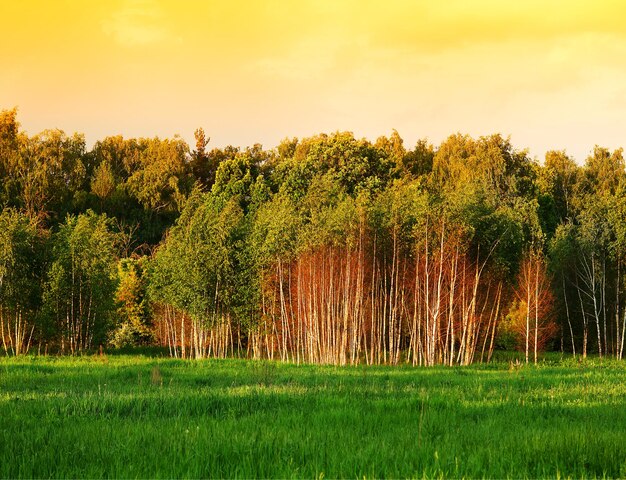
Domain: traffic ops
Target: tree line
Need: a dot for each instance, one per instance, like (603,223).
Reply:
(327,249)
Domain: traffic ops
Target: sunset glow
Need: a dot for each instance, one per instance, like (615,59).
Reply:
(552,74)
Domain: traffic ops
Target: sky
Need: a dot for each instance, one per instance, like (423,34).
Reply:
(551,74)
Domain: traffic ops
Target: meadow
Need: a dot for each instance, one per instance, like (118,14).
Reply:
(140,416)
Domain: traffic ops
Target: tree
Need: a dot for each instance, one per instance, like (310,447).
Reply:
(47,172)
(530,314)
(616,218)
(559,180)
(489,162)
(103,182)
(162,178)
(593,238)
(325,249)
(81,281)
(235,176)
(562,250)
(20,282)
(356,164)
(9,153)
(194,270)
(203,164)
(133,325)
(419,161)
(603,171)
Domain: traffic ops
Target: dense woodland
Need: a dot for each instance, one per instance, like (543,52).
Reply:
(328,249)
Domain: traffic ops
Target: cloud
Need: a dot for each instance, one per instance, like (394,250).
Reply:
(138,23)
(308,59)
(439,26)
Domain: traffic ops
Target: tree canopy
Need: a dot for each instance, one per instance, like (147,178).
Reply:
(329,248)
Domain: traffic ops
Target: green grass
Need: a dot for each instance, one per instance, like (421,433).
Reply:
(143,417)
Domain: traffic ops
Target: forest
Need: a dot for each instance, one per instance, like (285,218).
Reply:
(329,249)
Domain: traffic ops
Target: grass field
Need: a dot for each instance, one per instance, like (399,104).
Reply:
(145,417)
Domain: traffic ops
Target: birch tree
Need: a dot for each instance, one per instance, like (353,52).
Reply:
(81,280)
(20,263)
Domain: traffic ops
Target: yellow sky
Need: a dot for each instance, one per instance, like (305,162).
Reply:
(552,74)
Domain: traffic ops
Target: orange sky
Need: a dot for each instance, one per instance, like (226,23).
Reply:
(552,74)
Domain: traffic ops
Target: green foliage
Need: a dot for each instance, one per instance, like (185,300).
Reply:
(494,232)
(20,259)
(252,209)
(327,212)
(563,248)
(21,264)
(46,171)
(275,231)
(558,180)
(194,270)
(81,281)
(103,183)
(616,216)
(353,163)
(122,155)
(162,178)
(419,161)
(402,212)
(235,177)
(489,162)
(9,153)
(133,313)
(604,171)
